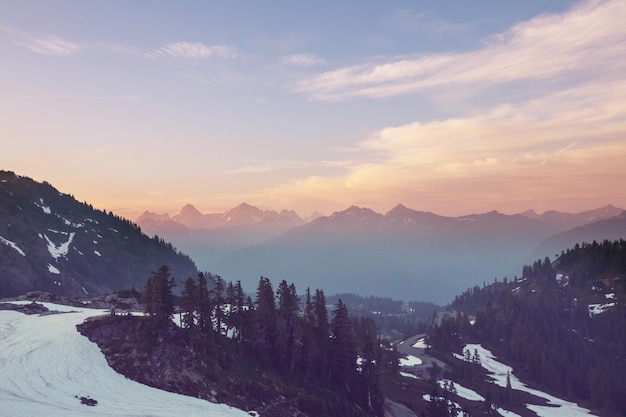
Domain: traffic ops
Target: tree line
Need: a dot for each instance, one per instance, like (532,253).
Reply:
(299,339)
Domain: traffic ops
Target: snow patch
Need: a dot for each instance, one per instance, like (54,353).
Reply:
(599,308)
(507,413)
(13,245)
(72,224)
(53,270)
(97,253)
(461,391)
(556,407)
(62,249)
(457,408)
(421,344)
(43,207)
(408,375)
(410,360)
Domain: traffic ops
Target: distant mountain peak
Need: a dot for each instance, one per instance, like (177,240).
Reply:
(566,221)
(149,215)
(189,208)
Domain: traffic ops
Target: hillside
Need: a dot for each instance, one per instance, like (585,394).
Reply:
(51,242)
(604,229)
(560,326)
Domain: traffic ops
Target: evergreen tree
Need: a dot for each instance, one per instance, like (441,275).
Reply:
(321,334)
(204,305)
(342,357)
(287,315)
(218,303)
(188,303)
(158,296)
(265,319)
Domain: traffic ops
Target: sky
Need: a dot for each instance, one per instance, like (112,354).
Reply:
(452,107)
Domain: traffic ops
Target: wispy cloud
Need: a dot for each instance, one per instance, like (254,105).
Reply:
(43,44)
(587,41)
(302,60)
(563,149)
(71,97)
(196,50)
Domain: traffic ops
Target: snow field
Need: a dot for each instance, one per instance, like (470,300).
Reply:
(46,366)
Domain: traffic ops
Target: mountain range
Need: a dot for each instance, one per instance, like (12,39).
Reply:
(404,253)
(51,242)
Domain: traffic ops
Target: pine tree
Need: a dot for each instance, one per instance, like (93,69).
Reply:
(204,305)
(287,313)
(188,303)
(159,298)
(342,357)
(218,303)
(321,334)
(265,319)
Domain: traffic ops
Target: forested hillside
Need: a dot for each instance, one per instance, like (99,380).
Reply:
(562,325)
(276,354)
(51,242)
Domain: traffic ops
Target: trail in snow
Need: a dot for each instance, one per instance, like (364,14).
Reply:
(45,364)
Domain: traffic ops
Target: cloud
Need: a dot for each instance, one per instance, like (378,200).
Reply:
(71,97)
(561,150)
(45,45)
(302,60)
(586,42)
(196,50)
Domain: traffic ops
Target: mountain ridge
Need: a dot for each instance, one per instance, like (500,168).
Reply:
(51,242)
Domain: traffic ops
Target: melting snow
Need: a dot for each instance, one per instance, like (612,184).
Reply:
(47,366)
(461,391)
(556,408)
(69,223)
(43,206)
(410,360)
(62,249)
(408,375)
(459,411)
(507,413)
(13,245)
(420,344)
(599,308)
(53,270)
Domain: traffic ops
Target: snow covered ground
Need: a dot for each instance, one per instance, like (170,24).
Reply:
(557,407)
(46,366)
(420,344)
(461,391)
(410,360)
